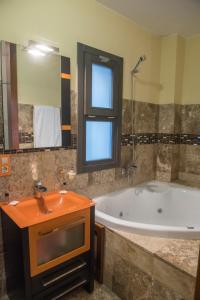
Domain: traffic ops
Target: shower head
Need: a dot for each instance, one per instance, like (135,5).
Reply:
(140,60)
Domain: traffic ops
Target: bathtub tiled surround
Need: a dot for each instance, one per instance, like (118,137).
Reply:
(139,267)
(189,170)
(173,130)
(167,166)
(52,168)
(190,119)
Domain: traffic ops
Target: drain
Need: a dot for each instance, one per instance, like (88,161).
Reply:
(121,214)
(160,210)
(190,227)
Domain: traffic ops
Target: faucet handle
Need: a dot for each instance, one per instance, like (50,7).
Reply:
(37,183)
(133,166)
(7,197)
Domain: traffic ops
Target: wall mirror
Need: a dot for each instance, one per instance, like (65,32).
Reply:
(34,98)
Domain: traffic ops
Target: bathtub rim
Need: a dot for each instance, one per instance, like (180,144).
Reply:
(177,232)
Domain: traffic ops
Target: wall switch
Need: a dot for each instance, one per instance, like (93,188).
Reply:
(5,165)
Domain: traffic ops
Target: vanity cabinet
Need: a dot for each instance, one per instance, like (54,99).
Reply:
(49,259)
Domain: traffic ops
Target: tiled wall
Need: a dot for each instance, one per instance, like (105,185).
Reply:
(157,148)
(189,170)
(25,114)
(52,168)
(189,156)
(132,272)
(174,160)
(174,133)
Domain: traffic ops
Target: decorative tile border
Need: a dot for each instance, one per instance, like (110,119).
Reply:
(127,140)
(142,138)
(160,138)
(30,150)
(190,139)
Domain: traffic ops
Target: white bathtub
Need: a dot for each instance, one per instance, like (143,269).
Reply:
(155,208)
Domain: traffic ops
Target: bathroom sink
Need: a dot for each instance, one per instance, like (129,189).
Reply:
(29,212)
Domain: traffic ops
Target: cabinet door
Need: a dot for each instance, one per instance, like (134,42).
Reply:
(58,240)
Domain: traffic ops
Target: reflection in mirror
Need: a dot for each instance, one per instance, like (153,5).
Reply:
(40,98)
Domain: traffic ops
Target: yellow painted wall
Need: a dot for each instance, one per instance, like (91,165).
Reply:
(168,69)
(38,79)
(65,22)
(170,74)
(180,70)
(191,78)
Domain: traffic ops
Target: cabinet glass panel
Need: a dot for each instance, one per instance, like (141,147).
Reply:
(99,140)
(102,86)
(59,242)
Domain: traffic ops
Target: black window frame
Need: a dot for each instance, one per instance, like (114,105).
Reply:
(86,57)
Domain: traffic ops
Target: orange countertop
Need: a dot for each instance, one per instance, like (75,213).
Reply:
(28,213)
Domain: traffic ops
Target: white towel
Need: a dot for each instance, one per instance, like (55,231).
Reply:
(46,126)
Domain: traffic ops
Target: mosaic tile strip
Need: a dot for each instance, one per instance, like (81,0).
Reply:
(189,139)
(127,140)
(160,138)
(29,150)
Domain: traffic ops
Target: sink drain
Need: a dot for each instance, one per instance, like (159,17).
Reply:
(160,210)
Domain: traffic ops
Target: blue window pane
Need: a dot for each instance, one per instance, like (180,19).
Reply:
(102,87)
(98,140)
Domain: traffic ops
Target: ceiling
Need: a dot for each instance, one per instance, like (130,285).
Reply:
(161,17)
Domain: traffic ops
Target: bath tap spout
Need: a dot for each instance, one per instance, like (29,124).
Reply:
(39,191)
(128,172)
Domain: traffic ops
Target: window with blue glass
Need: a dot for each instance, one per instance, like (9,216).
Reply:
(102,86)
(99,137)
(99,113)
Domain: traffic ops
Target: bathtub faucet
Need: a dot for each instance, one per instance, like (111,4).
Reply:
(129,169)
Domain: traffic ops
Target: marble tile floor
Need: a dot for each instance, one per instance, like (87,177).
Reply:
(101,292)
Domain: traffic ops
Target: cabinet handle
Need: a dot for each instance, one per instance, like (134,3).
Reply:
(69,290)
(47,232)
(47,283)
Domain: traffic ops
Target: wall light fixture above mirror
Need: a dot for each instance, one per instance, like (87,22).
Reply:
(41,49)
